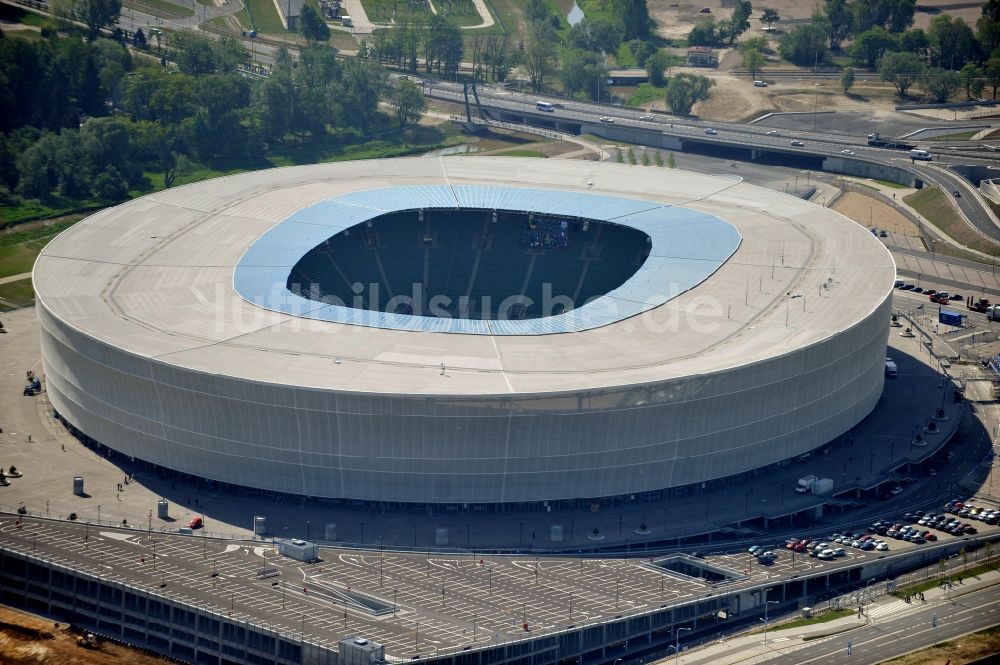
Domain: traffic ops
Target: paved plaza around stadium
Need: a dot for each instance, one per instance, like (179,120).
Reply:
(52,458)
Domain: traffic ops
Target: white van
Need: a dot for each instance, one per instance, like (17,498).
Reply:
(890,368)
(760,84)
(917,153)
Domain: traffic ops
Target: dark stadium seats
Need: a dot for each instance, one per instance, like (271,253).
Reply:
(455,253)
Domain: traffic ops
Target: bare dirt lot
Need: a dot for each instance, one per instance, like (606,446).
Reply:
(674,18)
(868,211)
(26,639)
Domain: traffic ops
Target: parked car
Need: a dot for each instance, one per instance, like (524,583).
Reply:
(195,523)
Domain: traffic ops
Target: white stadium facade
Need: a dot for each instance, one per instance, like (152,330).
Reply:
(465,330)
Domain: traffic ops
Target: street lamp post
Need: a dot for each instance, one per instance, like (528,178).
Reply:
(677,642)
(765,619)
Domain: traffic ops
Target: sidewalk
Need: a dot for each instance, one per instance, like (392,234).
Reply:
(15,278)
(746,647)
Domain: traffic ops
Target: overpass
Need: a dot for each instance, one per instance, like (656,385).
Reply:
(821,151)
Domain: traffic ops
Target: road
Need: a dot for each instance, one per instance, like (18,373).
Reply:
(970,203)
(907,631)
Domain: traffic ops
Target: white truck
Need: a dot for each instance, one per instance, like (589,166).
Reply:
(822,486)
(993,313)
(805,484)
(890,368)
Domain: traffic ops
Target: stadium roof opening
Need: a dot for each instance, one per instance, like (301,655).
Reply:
(481,260)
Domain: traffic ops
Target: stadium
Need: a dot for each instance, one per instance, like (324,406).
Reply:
(487,331)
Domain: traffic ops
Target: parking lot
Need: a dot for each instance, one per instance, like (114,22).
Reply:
(433,603)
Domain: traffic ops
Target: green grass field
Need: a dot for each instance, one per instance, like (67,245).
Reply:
(19,249)
(819,618)
(518,152)
(955,577)
(644,94)
(160,8)
(265,17)
(16,294)
(936,207)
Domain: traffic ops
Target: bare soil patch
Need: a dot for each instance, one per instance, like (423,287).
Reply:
(867,211)
(29,639)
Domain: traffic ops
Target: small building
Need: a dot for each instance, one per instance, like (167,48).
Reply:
(631,76)
(289,11)
(359,651)
(299,550)
(701,56)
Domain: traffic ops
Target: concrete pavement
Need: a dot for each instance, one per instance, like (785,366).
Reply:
(50,457)
(15,278)
(751,647)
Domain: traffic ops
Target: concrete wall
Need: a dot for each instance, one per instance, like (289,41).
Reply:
(483,449)
(864,169)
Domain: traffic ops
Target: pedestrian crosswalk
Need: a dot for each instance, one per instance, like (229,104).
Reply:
(887,609)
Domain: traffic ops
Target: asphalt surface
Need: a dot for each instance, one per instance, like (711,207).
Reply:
(827,144)
(435,603)
(909,630)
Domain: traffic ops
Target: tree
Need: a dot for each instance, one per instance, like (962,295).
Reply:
(769,16)
(755,43)
(641,50)
(596,34)
(869,47)
(193,53)
(839,18)
(656,66)
(139,39)
(540,54)
(893,15)
(537,11)
(739,22)
(110,185)
(583,71)
(902,70)
(992,73)
(971,77)
(686,90)
(498,57)
(899,14)
(941,84)
(988,27)
(633,16)
(914,41)
(272,106)
(847,80)
(952,42)
(754,61)
(97,15)
(803,45)
(671,161)
(312,26)
(704,33)
(407,102)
